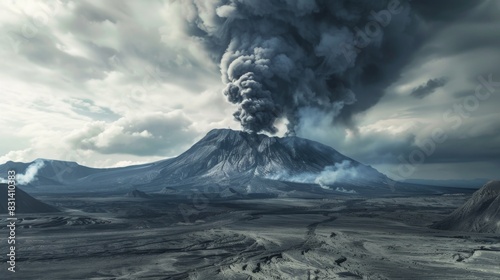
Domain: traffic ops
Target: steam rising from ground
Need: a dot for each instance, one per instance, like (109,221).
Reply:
(29,175)
(341,172)
(280,57)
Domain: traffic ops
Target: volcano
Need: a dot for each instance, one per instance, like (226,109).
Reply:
(224,160)
(237,158)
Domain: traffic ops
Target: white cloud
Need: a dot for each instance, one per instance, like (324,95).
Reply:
(144,135)
(97,71)
(17,156)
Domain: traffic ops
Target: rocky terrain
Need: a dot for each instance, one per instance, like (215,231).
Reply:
(481,213)
(117,237)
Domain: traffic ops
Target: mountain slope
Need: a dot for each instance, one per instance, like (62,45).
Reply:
(25,203)
(47,172)
(57,176)
(481,213)
(223,158)
(225,153)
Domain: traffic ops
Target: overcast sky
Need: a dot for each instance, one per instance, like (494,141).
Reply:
(114,83)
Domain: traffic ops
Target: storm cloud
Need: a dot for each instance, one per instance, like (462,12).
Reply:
(279,57)
(428,88)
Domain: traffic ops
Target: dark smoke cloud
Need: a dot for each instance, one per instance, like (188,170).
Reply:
(428,88)
(279,57)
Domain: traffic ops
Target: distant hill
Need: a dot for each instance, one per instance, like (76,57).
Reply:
(25,203)
(63,176)
(137,193)
(481,213)
(473,184)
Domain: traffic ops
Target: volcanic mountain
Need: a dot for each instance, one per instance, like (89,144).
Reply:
(481,213)
(24,202)
(244,162)
(228,154)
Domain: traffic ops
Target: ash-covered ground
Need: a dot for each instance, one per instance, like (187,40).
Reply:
(120,237)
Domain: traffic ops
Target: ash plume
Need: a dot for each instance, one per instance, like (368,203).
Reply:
(279,57)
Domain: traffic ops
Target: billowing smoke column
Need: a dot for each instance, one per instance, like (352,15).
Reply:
(278,57)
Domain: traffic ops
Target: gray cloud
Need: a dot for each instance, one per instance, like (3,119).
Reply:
(444,11)
(429,87)
(88,108)
(86,41)
(457,42)
(368,145)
